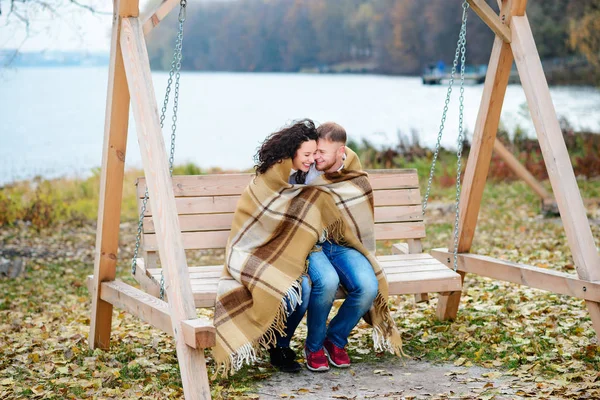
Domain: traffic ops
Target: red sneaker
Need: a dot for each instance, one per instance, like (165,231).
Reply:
(316,361)
(336,355)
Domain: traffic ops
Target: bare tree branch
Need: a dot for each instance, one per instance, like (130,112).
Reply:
(89,8)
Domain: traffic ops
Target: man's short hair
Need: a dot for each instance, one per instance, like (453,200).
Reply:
(332,132)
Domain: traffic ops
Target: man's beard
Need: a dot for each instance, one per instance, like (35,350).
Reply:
(325,167)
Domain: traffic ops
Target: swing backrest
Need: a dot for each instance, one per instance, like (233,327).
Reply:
(206,203)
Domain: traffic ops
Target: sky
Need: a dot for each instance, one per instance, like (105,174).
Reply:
(69,28)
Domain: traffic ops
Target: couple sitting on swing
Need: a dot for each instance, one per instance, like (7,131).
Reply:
(303,226)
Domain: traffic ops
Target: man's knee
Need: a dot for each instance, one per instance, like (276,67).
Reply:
(366,292)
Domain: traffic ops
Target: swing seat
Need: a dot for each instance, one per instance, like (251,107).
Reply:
(205,207)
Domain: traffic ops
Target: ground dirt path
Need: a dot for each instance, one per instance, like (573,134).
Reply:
(408,379)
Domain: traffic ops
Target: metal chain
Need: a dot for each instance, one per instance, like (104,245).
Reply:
(459,53)
(460,140)
(175,70)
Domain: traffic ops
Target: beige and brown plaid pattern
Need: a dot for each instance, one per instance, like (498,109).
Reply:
(275,227)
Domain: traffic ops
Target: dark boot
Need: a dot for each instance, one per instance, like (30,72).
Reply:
(284,359)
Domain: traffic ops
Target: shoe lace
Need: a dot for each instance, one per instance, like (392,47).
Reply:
(317,354)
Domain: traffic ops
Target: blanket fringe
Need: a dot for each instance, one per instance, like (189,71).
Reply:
(246,354)
(335,231)
(385,334)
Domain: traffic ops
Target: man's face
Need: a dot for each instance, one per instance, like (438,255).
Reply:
(328,157)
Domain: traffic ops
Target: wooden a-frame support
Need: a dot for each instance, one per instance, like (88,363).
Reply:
(514,41)
(130,75)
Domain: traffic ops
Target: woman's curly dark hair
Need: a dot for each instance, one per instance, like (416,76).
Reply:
(283,144)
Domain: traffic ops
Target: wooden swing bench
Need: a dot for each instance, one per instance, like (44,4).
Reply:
(206,203)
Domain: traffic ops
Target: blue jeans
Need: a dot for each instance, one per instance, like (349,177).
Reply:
(295,317)
(328,268)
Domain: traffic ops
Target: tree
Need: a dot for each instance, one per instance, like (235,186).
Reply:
(21,20)
(584,31)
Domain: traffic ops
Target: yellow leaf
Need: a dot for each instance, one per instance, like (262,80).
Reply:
(460,361)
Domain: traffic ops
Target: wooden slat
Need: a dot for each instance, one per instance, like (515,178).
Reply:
(193,240)
(400,231)
(223,221)
(391,267)
(431,282)
(224,204)
(203,185)
(411,280)
(491,19)
(234,184)
(218,239)
(201,205)
(111,180)
(539,278)
(192,364)
(394,179)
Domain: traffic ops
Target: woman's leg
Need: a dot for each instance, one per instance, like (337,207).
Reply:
(282,356)
(293,320)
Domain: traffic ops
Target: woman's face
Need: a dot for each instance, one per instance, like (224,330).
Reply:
(305,156)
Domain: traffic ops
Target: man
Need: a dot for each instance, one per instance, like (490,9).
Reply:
(333,265)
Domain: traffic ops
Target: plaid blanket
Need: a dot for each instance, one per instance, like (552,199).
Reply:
(275,227)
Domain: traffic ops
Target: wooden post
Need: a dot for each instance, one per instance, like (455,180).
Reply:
(480,154)
(111,179)
(556,158)
(164,212)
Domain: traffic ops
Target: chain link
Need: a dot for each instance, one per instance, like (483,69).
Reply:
(174,71)
(460,53)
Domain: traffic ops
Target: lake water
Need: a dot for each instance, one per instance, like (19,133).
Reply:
(52,119)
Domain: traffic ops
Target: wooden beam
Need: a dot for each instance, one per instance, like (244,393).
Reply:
(154,17)
(527,275)
(111,180)
(487,15)
(521,172)
(154,157)
(199,333)
(146,307)
(480,155)
(554,150)
(557,160)
(484,136)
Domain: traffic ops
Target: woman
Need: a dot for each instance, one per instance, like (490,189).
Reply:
(264,287)
(298,142)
